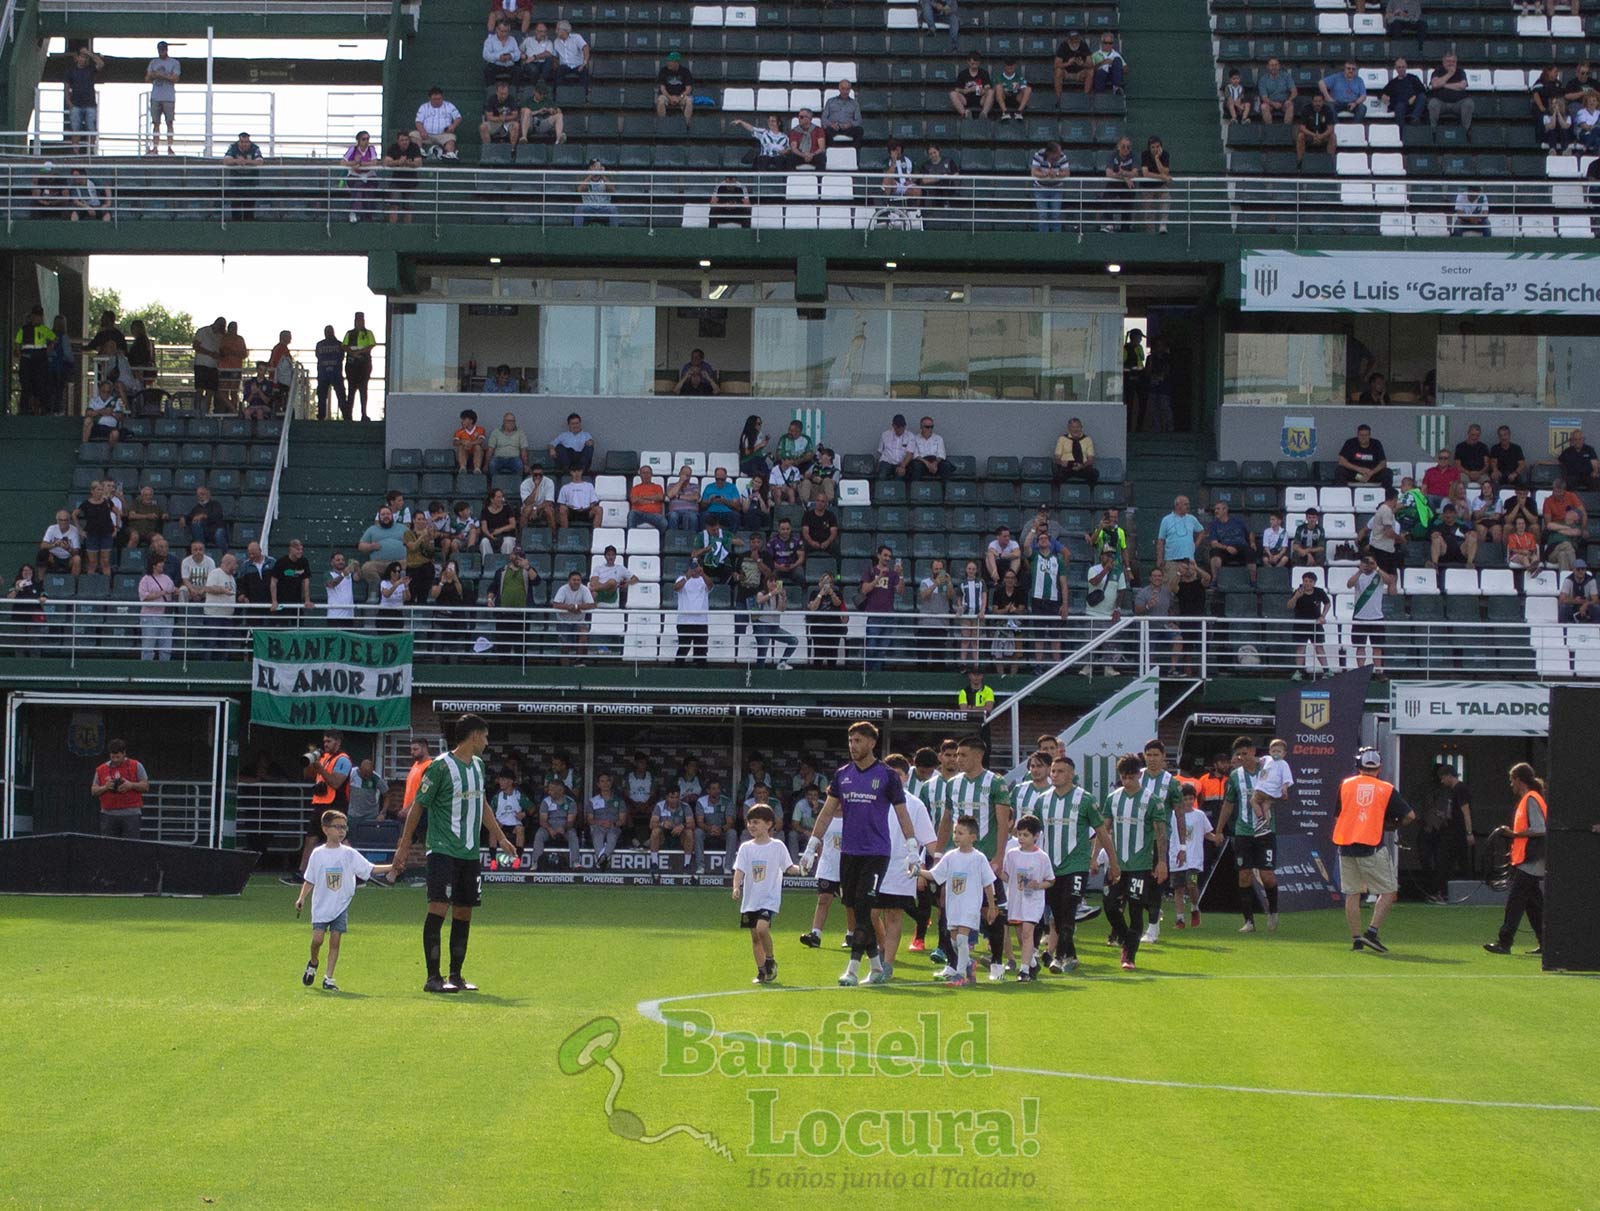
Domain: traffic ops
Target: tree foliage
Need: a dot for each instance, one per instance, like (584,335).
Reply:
(165,327)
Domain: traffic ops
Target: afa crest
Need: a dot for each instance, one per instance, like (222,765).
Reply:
(86,734)
(1316,708)
(1299,438)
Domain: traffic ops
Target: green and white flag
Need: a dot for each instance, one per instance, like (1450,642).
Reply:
(810,423)
(1433,433)
(341,679)
(1119,725)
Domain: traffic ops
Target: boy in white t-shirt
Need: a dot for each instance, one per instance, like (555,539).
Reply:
(968,882)
(828,885)
(330,877)
(1187,859)
(1272,786)
(758,873)
(1029,875)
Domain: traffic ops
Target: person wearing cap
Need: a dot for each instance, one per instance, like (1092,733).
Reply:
(1072,64)
(675,88)
(1579,599)
(595,204)
(572,56)
(1368,808)
(896,449)
(162,76)
(245,157)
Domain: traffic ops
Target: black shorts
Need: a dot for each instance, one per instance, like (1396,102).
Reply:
(1389,561)
(1308,632)
(314,816)
(1241,558)
(1255,853)
(205,378)
(457,881)
(827,887)
(860,876)
(747,920)
(903,903)
(1065,893)
(1136,887)
(1367,633)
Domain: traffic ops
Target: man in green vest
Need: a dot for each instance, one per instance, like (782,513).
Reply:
(31,347)
(359,343)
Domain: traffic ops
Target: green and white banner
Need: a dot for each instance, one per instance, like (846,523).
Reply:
(1470,708)
(340,679)
(1119,725)
(1461,283)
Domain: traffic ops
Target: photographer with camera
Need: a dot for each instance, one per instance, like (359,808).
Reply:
(329,769)
(120,784)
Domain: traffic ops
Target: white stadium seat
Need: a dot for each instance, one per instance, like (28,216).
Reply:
(805,98)
(1461,582)
(839,69)
(1380,134)
(1566,27)
(695,460)
(1419,582)
(614,513)
(1351,164)
(902,18)
(646,595)
(706,15)
(645,567)
(1333,25)
(807,71)
(840,159)
(697,214)
(1367,24)
(855,492)
(764,215)
(1508,80)
(607,536)
(800,218)
(1546,583)
(835,217)
(1533,27)
(1497,582)
(659,461)
(1339,525)
(738,100)
(726,459)
(1337,500)
(739,17)
(1368,497)
(1394,225)
(771,100)
(800,187)
(1388,164)
(1352,137)
(611,487)
(1298,499)
(773,71)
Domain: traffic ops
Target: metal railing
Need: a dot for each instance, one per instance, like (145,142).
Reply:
(297,397)
(271,812)
(1182,648)
(238,8)
(451,195)
(178,812)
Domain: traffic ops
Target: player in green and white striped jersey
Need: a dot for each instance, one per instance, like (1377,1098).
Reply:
(1168,790)
(1027,793)
(452,796)
(1073,824)
(1247,819)
(982,794)
(927,784)
(1138,823)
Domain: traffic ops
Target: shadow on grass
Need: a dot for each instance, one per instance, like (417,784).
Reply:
(1425,960)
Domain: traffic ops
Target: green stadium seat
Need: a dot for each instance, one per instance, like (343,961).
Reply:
(856,544)
(436,483)
(262,455)
(857,517)
(406,459)
(94,586)
(187,479)
(228,454)
(127,454)
(963,467)
(438,460)
(1291,472)
(1260,499)
(925,492)
(59,585)
(890,491)
(959,492)
(95,453)
(927,519)
(1002,466)
(893,517)
(1036,495)
(996,493)
(1112,470)
(1076,495)
(224,479)
(1256,471)
(621,462)
(1240,605)
(858,466)
(203,428)
(258,480)
(83,477)
(1038,470)
(125,586)
(1222,471)
(234,429)
(572,539)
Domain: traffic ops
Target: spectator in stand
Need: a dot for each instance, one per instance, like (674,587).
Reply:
(1580,465)
(402,159)
(470,442)
(1486,513)
(437,122)
(144,518)
(788,554)
(693,620)
(1521,506)
(207,349)
(96,523)
(1450,541)
(819,528)
(772,144)
(1401,17)
(730,204)
(574,447)
(933,177)
(1229,542)
(86,199)
(683,501)
(972,90)
(769,603)
(1407,98)
(950,10)
(538,499)
(572,57)
(290,586)
(501,121)
(60,548)
(1122,173)
(502,55)
(1012,92)
(1583,81)
(520,11)
(1579,599)
(822,480)
(1447,94)
(1110,68)
(1049,596)
(162,75)
(1235,102)
(1310,545)
(759,504)
(880,587)
(647,502)
(898,182)
(1345,92)
(157,591)
(1155,179)
(221,595)
(1072,70)
(1275,93)
(796,452)
(1001,555)
(1049,170)
(421,550)
(1382,536)
(1470,217)
(382,543)
(1560,500)
(1314,128)
(512,590)
(330,357)
(1522,547)
(255,575)
(539,60)
(841,115)
(928,455)
(103,412)
(594,193)
(244,181)
(1309,604)
(1176,539)
(206,520)
(675,88)
(508,447)
(338,587)
(83,103)
(806,143)
(1362,460)
(1586,121)
(575,602)
(194,571)
(578,501)
(697,380)
(896,449)
(1548,100)
(1438,479)
(1507,466)
(1074,456)
(541,116)
(1274,543)
(697,361)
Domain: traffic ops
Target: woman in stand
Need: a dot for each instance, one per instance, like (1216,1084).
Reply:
(752,448)
(361,176)
(772,144)
(825,622)
(392,597)
(449,595)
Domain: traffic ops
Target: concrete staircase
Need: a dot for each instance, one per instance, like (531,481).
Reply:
(1172,85)
(37,455)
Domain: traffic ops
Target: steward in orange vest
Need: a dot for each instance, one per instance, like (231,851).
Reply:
(1368,807)
(1527,832)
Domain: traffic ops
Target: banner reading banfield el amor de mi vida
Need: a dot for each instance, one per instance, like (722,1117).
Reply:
(331,679)
(1479,283)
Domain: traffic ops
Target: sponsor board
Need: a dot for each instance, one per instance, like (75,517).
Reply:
(1458,283)
(1469,708)
(664,710)
(530,878)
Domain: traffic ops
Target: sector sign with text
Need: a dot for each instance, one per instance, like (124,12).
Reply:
(1485,283)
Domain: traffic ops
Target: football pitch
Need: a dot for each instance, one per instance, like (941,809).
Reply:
(163,1053)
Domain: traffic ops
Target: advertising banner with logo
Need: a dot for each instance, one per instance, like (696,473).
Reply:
(339,679)
(1322,725)
(1469,708)
(1456,283)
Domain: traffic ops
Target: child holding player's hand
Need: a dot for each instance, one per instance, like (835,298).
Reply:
(968,882)
(330,878)
(758,873)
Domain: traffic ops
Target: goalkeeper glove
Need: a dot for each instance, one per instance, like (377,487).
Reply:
(813,847)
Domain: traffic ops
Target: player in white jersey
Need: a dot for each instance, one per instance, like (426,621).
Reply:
(828,885)
(926,783)
(897,893)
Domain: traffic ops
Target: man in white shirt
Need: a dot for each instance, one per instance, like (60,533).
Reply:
(1003,555)
(60,550)
(501,54)
(572,53)
(437,120)
(221,595)
(341,589)
(579,499)
(574,601)
(609,579)
(928,450)
(538,500)
(539,56)
(896,449)
(195,570)
(573,447)
(1370,583)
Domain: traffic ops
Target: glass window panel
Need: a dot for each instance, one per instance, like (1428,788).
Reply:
(1070,361)
(688,288)
(1491,369)
(779,361)
(1573,368)
(574,288)
(855,292)
(623,289)
(1107,355)
(1006,351)
(1010,296)
(848,354)
(906,293)
(567,341)
(627,350)
(519,288)
(1283,369)
(777,291)
(928,353)
(427,357)
(469,288)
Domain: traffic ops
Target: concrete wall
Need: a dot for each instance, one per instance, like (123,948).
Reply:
(976,427)
(1256,431)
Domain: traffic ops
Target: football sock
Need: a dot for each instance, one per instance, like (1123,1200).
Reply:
(963,957)
(1272,899)
(1372,931)
(1248,907)
(1135,930)
(1119,926)
(431,925)
(875,962)
(853,967)
(458,945)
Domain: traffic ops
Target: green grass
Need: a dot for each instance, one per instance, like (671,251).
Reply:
(162,1053)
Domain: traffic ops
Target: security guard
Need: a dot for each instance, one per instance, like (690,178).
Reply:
(31,346)
(1527,833)
(975,695)
(1368,806)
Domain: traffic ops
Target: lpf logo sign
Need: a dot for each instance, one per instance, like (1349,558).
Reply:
(1316,708)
